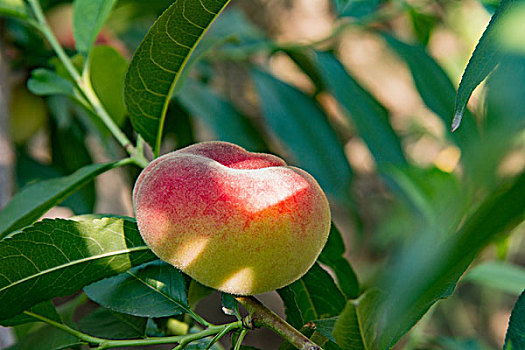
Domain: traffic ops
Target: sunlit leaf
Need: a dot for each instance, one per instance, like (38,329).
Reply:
(14,8)
(58,257)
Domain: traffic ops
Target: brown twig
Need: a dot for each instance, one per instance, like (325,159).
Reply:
(261,316)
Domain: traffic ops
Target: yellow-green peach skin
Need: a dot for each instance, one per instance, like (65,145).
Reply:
(240,222)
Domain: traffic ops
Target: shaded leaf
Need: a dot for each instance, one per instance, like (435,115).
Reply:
(498,275)
(515,337)
(44,82)
(47,338)
(304,129)
(230,306)
(113,325)
(88,18)
(435,88)
(485,57)
(159,60)
(36,199)
(155,289)
(58,257)
(108,72)
(363,110)
(326,327)
(333,256)
(355,8)
(225,121)
(355,328)
(312,297)
(45,308)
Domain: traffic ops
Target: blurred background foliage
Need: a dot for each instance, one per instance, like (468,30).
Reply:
(360,93)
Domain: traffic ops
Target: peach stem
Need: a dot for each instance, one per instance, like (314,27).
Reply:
(261,316)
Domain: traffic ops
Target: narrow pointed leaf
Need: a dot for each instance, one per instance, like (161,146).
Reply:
(333,257)
(224,120)
(515,338)
(363,110)
(36,199)
(435,88)
(498,275)
(304,129)
(486,56)
(312,297)
(155,289)
(159,60)
(88,18)
(58,257)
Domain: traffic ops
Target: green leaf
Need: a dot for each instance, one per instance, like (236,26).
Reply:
(44,82)
(108,72)
(88,18)
(313,297)
(225,121)
(69,153)
(355,328)
(159,60)
(36,199)
(58,257)
(14,8)
(28,170)
(230,306)
(155,289)
(108,324)
(498,275)
(197,292)
(304,129)
(515,337)
(47,338)
(355,8)
(436,89)
(45,308)
(333,257)
(326,327)
(429,270)
(363,110)
(485,57)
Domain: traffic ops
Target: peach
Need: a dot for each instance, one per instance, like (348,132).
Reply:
(240,222)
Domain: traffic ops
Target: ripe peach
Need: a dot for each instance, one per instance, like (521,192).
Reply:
(241,222)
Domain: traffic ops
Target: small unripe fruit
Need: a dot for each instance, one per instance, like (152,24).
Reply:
(244,223)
